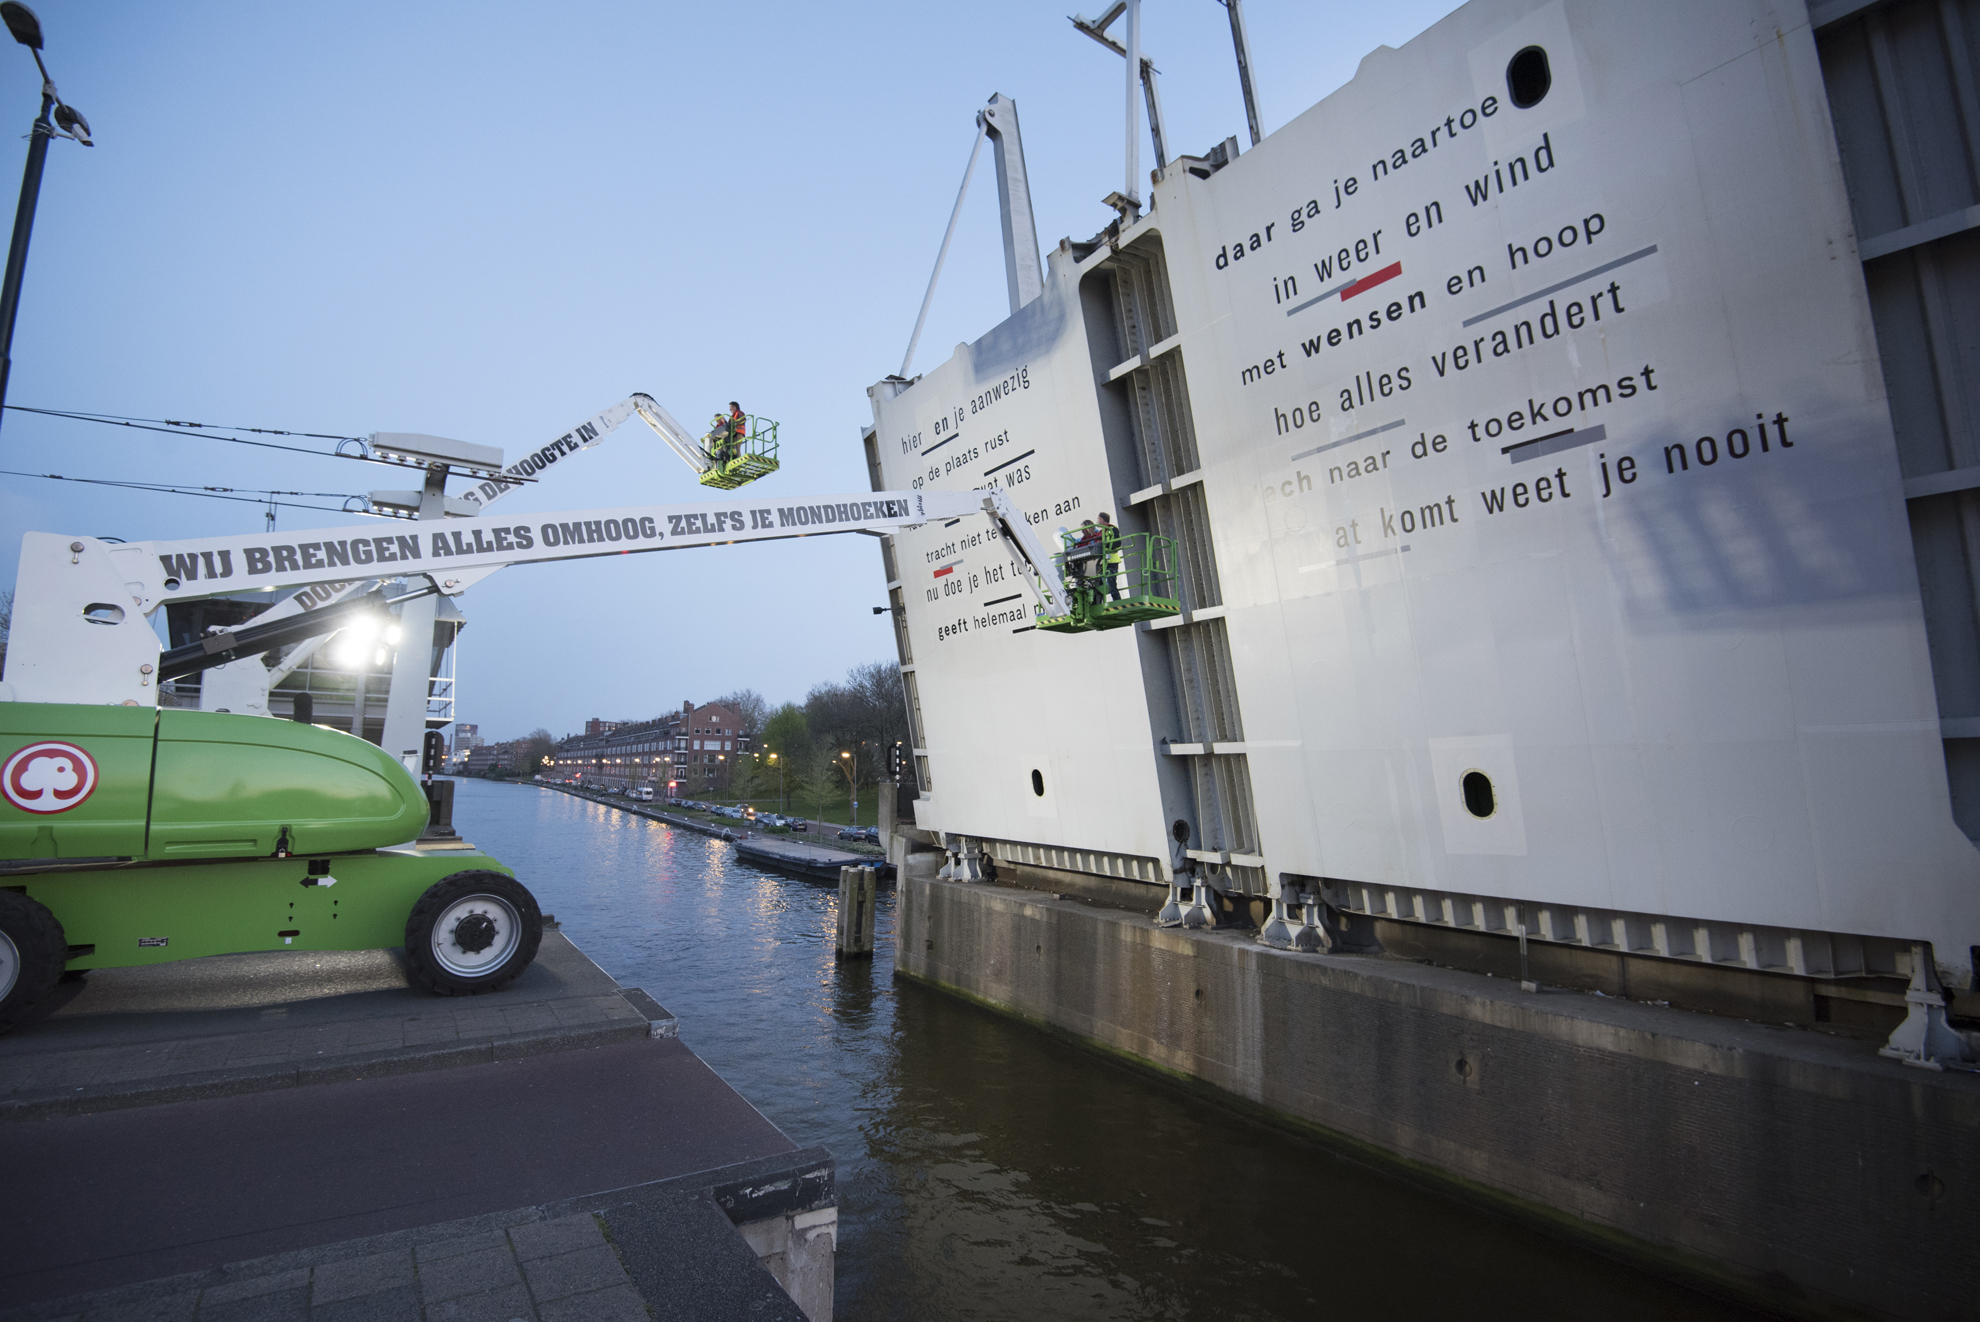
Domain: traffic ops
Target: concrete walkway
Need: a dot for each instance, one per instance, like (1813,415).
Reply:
(242,1023)
(311,1136)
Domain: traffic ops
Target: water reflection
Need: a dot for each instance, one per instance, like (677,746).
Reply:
(987,1170)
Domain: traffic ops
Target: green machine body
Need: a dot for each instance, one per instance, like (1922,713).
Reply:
(135,835)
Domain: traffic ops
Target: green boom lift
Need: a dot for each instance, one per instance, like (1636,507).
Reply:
(136,835)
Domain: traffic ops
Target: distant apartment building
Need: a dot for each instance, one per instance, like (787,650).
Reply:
(466,739)
(706,749)
(615,754)
(684,753)
(484,757)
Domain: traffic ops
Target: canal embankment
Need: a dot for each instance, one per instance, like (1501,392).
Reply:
(1798,1171)
(623,804)
(314,1131)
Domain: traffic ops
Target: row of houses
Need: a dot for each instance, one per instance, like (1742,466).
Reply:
(688,752)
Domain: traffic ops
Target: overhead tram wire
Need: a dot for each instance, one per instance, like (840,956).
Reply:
(173,422)
(174,428)
(258,497)
(209,431)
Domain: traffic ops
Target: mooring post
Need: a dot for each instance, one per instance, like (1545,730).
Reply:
(856,888)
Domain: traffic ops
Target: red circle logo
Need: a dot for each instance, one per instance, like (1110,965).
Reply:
(50,777)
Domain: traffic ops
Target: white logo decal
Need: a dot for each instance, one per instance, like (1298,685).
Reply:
(50,777)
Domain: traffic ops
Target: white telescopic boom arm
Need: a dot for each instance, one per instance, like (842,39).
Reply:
(242,686)
(80,634)
(589,433)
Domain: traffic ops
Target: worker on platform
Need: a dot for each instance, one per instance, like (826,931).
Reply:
(725,438)
(1083,554)
(738,429)
(1109,538)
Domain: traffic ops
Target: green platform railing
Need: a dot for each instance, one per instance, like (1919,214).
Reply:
(1122,579)
(754,457)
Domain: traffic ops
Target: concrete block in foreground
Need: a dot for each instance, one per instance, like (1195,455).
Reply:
(671,1249)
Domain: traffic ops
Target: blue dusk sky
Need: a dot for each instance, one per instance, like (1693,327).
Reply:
(491,221)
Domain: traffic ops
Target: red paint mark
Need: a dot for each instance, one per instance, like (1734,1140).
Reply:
(1367,282)
(946,569)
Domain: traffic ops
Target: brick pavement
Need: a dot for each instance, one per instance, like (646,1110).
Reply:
(489,1269)
(722,1245)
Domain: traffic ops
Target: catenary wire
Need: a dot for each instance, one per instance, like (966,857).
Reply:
(210,493)
(172,422)
(182,429)
(209,430)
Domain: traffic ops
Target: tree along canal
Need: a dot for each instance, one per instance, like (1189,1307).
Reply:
(987,1170)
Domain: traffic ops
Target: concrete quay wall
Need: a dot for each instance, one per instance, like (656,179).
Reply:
(1799,1171)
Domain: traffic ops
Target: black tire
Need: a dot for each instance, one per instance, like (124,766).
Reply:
(472,932)
(33,952)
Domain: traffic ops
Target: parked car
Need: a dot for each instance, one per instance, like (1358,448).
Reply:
(851,833)
(797,824)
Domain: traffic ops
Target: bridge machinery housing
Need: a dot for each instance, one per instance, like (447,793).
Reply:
(1639,673)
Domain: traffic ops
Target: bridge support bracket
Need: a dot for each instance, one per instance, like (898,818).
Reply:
(1925,1039)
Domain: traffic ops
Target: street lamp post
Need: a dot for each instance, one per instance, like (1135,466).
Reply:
(849,763)
(782,807)
(68,123)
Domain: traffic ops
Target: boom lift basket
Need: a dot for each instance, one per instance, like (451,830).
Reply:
(1117,582)
(755,456)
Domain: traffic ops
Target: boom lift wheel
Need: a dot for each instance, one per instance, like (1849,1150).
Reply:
(472,932)
(33,951)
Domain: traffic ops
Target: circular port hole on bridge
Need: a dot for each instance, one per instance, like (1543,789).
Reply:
(1528,77)
(1464,1069)
(1038,784)
(1479,799)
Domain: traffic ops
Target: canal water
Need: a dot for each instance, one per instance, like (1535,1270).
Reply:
(989,1171)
